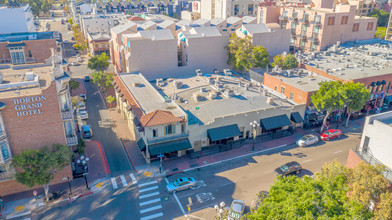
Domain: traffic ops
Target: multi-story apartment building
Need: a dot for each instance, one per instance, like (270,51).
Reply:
(364,7)
(15,19)
(211,9)
(35,111)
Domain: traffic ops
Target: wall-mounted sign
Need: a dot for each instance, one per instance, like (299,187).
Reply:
(29,105)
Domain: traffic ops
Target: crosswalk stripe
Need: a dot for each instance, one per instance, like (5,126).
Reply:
(124,182)
(149,195)
(114,183)
(152,216)
(148,189)
(149,202)
(150,209)
(146,184)
(133,178)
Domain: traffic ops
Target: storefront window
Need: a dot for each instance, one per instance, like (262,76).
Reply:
(4,150)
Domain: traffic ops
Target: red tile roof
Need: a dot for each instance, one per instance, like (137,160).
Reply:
(136,18)
(159,117)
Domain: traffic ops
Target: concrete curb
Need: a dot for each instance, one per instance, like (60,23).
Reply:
(128,155)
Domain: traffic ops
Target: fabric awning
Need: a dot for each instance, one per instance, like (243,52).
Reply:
(274,122)
(224,132)
(15,45)
(117,90)
(141,144)
(388,98)
(296,117)
(129,108)
(169,146)
(114,82)
(123,99)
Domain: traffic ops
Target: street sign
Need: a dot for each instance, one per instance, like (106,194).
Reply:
(160,155)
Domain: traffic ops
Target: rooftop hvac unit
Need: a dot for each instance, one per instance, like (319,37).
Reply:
(198,72)
(29,76)
(136,84)
(177,84)
(227,72)
(212,95)
(270,100)
(228,93)
(197,97)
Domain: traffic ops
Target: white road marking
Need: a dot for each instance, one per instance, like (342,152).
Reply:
(124,182)
(149,202)
(146,184)
(148,189)
(149,195)
(114,183)
(178,201)
(133,178)
(152,216)
(150,209)
(336,152)
(306,161)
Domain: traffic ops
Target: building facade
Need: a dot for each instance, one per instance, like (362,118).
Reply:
(211,9)
(388,35)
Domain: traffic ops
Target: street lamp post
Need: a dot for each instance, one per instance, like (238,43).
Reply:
(83,162)
(254,126)
(220,210)
(69,184)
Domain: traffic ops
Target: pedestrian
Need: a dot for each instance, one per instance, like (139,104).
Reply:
(35,193)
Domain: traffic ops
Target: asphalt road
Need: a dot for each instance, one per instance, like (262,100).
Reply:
(237,179)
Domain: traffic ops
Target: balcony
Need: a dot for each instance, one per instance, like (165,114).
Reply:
(313,39)
(3,136)
(315,23)
(167,138)
(66,114)
(303,20)
(282,18)
(293,19)
(71,139)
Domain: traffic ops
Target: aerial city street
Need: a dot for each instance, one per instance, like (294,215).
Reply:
(195,109)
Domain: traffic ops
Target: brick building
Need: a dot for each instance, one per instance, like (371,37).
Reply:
(35,111)
(24,48)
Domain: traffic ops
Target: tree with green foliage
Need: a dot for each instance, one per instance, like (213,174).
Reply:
(243,55)
(380,32)
(73,84)
(38,167)
(103,79)
(355,97)
(110,99)
(71,21)
(285,62)
(329,97)
(278,61)
(384,207)
(81,147)
(98,62)
(382,17)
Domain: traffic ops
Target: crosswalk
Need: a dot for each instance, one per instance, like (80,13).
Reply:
(148,195)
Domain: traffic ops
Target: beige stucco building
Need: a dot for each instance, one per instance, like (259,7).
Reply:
(211,9)
(388,35)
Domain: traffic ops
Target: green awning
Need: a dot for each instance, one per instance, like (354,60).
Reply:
(169,146)
(274,122)
(141,144)
(224,132)
(296,117)
(388,98)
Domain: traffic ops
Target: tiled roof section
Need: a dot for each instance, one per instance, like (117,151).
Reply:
(159,117)
(128,96)
(136,18)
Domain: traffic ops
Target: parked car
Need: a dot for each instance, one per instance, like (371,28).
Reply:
(86,131)
(331,134)
(83,114)
(79,59)
(87,79)
(181,184)
(81,105)
(75,64)
(236,210)
(290,167)
(66,41)
(83,96)
(306,140)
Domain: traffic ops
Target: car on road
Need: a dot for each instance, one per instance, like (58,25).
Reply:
(80,105)
(181,184)
(83,114)
(79,59)
(83,96)
(236,210)
(87,79)
(66,41)
(86,131)
(75,64)
(288,168)
(76,51)
(331,134)
(306,140)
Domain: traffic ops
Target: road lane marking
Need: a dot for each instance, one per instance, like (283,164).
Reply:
(149,195)
(148,189)
(114,183)
(336,152)
(124,182)
(152,216)
(133,178)
(150,209)
(306,161)
(146,184)
(178,201)
(150,202)
(147,173)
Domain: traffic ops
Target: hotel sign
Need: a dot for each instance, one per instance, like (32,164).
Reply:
(29,105)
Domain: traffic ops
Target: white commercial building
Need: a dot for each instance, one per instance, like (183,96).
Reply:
(211,9)
(16,20)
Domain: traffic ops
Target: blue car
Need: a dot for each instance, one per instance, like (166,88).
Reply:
(86,131)
(181,184)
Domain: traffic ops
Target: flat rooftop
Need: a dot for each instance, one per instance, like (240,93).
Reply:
(354,60)
(10,77)
(148,98)
(387,121)
(208,107)
(301,79)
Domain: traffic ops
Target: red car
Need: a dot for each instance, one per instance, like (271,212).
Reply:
(331,134)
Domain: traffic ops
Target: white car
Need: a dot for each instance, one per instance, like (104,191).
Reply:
(236,210)
(75,64)
(81,106)
(83,114)
(306,140)
(79,59)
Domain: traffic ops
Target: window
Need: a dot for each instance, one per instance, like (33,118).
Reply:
(388,85)
(355,27)
(331,20)
(365,147)
(170,129)
(4,150)
(370,26)
(276,88)
(282,90)
(182,128)
(154,132)
(291,96)
(344,20)
(29,53)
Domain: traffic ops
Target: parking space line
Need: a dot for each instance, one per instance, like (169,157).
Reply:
(149,195)
(336,152)
(150,209)
(114,183)
(133,178)
(150,202)
(124,182)
(146,184)
(148,189)
(306,161)
(152,216)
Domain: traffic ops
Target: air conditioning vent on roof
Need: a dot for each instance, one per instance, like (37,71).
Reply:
(136,84)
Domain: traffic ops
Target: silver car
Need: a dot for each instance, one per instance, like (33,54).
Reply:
(306,140)
(181,184)
(236,210)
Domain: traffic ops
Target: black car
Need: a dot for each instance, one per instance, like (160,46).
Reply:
(290,167)
(87,79)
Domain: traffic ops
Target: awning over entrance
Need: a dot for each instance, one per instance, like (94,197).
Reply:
(274,122)
(224,132)
(141,144)
(169,146)
(16,45)
(296,117)
(388,98)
